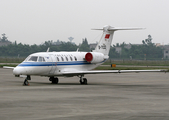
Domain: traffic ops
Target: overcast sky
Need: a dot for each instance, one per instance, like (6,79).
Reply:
(36,21)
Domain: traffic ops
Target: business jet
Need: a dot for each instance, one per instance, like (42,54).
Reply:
(69,64)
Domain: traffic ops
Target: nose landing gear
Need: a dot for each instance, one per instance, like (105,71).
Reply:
(26,83)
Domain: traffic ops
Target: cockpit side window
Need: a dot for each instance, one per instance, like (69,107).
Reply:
(41,59)
(33,58)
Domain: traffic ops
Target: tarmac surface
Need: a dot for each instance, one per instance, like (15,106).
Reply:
(125,96)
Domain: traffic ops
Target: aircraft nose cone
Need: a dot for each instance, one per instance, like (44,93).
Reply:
(17,71)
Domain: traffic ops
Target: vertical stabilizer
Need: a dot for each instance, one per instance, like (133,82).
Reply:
(105,42)
(106,39)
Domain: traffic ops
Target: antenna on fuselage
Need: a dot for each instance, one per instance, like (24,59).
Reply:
(48,49)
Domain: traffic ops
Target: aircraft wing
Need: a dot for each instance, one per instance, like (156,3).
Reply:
(108,71)
(7,67)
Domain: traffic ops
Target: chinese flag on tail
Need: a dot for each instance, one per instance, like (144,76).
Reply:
(107,36)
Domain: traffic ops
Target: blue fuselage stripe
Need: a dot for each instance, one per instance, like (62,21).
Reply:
(53,63)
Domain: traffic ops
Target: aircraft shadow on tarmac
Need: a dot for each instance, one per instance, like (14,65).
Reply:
(118,85)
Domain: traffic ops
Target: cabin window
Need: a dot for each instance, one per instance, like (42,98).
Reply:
(33,58)
(75,58)
(66,58)
(71,58)
(41,59)
(57,59)
(62,58)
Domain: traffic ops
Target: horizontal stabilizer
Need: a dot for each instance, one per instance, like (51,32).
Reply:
(118,28)
(115,29)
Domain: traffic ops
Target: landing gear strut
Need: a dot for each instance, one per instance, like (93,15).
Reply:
(83,81)
(54,80)
(26,83)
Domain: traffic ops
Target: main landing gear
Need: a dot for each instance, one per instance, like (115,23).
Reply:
(54,80)
(26,83)
(83,81)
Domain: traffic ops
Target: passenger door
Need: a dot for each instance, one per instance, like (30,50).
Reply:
(54,64)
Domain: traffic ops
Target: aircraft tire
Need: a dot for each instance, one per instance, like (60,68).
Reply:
(81,82)
(85,81)
(55,81)
(26,83)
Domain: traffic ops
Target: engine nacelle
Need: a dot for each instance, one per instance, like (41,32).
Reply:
(94,57)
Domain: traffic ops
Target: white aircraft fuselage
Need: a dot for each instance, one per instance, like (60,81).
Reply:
(55,64)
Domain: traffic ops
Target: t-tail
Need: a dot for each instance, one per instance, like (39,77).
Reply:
(105,42)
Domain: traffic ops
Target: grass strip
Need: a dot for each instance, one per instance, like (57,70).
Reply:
(9,65)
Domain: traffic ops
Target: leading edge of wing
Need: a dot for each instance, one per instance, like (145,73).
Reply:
(111,71)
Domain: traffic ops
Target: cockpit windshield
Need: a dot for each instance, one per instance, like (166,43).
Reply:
(35,59)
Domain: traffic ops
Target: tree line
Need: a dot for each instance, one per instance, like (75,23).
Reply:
(147,50)
(23,50)
(144,51)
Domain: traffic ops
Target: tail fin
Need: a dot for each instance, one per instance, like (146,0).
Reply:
(104,44)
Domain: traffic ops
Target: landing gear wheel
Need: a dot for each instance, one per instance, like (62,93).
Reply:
(26,83)
(83,81)
(54,80)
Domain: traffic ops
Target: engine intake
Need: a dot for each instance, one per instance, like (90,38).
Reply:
(94,57)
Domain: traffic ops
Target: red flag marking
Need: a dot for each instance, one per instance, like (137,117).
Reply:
(107,36)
